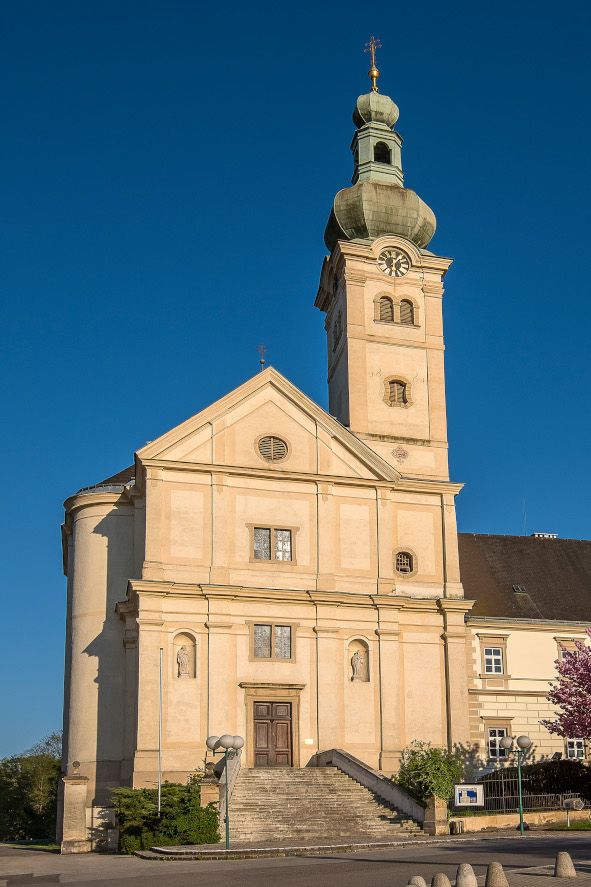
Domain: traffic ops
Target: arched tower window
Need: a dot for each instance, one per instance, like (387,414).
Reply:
(407,312)
(386,312)
(382,153)
(397,392)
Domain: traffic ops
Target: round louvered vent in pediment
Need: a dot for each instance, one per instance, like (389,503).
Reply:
(272,449)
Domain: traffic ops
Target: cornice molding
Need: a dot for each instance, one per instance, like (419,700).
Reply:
(493,623)
(84,500)
(402,483)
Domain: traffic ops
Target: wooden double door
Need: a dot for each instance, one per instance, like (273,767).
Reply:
(272,734)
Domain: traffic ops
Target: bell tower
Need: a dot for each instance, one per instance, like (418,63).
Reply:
(381,290)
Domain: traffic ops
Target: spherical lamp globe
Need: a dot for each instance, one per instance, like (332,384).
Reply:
(506,742)
(524,742)
(238,742)
(211,742)
(227,741)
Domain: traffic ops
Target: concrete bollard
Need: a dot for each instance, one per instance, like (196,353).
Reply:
(417,881)
(495,876)
(563,867)
(440,880)
(465,876)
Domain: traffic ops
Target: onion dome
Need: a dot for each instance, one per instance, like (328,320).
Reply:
(369,210)
(375,108)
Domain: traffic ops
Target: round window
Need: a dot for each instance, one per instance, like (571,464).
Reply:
(272,449)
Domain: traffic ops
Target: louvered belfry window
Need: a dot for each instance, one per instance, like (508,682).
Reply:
(397,392)
(386,310)
(272,449)
(407,312)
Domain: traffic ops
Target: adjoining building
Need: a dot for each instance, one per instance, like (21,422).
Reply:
(532,602)
(297,571)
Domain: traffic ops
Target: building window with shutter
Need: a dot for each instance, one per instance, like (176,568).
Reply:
(386,310)
(397,393)
(404,563)
(407,312)
(272,640)
(272,544)
(272,448)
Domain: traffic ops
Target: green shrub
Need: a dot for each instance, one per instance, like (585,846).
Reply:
(425,771)
(182,820)
(28,797)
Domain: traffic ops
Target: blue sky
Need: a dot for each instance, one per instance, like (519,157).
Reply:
(167,171)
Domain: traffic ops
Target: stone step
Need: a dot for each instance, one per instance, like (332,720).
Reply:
(310,805)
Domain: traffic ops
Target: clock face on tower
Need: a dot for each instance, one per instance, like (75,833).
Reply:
(393,262)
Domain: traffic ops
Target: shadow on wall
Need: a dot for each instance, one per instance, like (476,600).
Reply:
(116,722)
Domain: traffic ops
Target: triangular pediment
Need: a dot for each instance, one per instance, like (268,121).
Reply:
(228,432)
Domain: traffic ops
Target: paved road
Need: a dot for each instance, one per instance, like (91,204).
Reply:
(386,868)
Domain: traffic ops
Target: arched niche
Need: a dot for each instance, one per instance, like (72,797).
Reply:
(358,660)
(184,656)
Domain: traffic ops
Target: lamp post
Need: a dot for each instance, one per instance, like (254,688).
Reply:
(524,743)
(230,745)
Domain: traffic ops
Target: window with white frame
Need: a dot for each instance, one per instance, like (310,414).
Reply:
(575,749)
(272,544)
(493,660)
(495,750)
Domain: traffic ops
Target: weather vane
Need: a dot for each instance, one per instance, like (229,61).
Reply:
(371,46)
(262,349)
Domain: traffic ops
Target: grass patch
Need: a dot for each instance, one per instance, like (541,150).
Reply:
(49,846)
(579,825)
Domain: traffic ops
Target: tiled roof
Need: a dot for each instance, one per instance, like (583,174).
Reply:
(524,577)
(122,477)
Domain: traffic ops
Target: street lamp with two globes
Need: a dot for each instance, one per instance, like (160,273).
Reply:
(524,743)
(231,745)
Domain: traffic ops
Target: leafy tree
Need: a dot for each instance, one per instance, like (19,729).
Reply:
(426,770)
(51,745)
(28,791)
(572,693)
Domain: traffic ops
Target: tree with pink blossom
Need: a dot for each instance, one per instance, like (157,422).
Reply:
(572,693)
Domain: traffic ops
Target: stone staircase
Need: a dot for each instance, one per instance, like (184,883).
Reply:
(310,806)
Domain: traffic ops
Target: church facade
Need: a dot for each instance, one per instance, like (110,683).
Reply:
(293,575)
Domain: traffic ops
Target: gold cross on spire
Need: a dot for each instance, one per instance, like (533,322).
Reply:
(371,46)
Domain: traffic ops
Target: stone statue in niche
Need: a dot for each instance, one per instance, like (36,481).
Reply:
(359,666)
(182,661)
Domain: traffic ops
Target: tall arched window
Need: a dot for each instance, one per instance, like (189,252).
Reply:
(407,312)
(386,309)
(397,393)
(381,153)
